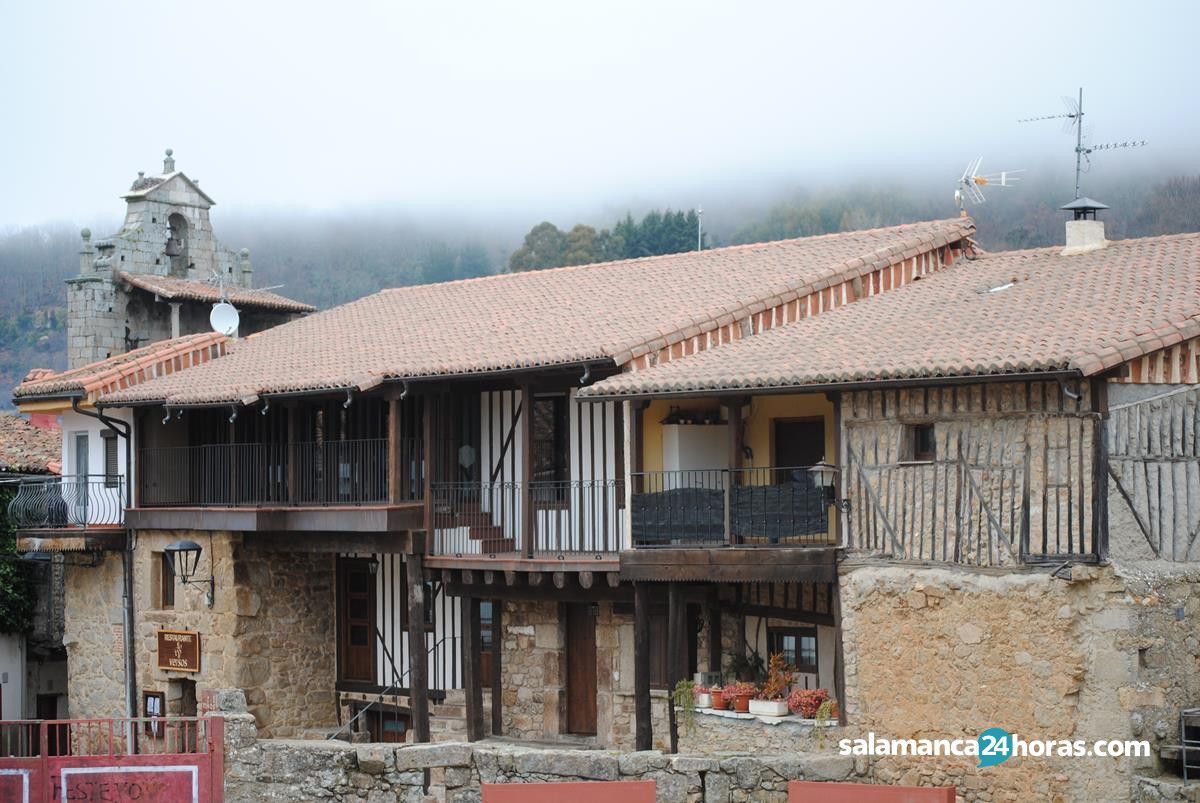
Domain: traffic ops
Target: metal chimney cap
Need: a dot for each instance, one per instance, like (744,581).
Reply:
(1083,203)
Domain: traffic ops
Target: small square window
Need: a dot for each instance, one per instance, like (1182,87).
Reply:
(923,444)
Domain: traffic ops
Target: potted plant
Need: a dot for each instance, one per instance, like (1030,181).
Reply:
(771,699)
(717,698)
(806,702)
(703,696)
(742,691)
(747,667)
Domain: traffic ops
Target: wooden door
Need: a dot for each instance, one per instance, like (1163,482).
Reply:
(356,621)
(798,442)
(581,669)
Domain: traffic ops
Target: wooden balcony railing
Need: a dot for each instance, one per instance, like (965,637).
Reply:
(69,502)
(773,506)
(348,472)
(489,518)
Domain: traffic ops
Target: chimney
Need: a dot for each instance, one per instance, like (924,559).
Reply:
(169,163)
(246,271)
(1084,232)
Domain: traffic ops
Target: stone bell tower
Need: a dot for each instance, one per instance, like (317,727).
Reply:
(133,287)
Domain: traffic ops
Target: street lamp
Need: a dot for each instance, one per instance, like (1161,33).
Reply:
(185,560)
(825,476)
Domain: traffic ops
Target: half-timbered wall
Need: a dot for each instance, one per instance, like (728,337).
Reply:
(581,512)
(1010,478)
(444,666)
(1154,470)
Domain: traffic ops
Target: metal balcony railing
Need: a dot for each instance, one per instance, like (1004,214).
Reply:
(73,501)
(349,472)
(718,507)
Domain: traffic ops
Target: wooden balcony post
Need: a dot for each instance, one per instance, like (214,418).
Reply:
(472,666)
(393,451)
(497,679)
(527,512)
(418,657)
(643,730)
(293,471)
(675,667)
(427,452)
(733,408)
(714,631)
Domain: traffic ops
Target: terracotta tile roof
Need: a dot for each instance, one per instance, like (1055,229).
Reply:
(171,287)
(26,449)
(1086,313)
(124,370)
(605,312)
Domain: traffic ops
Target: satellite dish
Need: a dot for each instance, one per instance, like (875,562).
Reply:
(224,318)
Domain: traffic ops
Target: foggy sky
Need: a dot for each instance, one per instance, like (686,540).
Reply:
(544,108)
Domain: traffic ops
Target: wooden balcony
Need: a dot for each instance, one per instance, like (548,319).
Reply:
(318,487)
(770,523)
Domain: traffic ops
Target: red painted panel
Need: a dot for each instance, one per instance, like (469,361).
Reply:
(823,792)
(573,791)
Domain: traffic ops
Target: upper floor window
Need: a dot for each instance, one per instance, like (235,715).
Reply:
(551,439)
(922,445)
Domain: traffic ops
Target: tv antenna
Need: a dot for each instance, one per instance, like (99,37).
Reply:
(972,182)
(1073,119)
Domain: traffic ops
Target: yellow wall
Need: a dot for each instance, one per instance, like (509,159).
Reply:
(757,424)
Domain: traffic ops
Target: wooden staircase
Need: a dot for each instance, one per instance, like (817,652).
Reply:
(481,528)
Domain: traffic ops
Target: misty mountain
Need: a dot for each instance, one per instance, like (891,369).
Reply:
(330,258)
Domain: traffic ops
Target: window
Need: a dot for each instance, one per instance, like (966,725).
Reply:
(162,581)
(111,466)
(922,444)
(798,645)
(551,439)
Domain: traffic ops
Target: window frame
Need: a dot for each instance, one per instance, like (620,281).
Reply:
(798,632)
(916,435)
(112,459)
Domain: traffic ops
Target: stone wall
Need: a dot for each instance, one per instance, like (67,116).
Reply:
(944,653)
(300,770)
(93,634)
(534,670)
(270,631)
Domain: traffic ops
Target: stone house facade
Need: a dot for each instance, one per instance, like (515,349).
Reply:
(916,493)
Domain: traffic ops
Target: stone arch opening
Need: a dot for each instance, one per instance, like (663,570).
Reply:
(177,244)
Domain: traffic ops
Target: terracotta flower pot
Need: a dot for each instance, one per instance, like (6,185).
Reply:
(741,703)
(718,699)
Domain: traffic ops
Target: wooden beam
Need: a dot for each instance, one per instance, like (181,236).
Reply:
(427,450)
(675,619)
(643,730)
(497,679)
(570,593)
(417,656)
(534,579)
(560,579)
(1100,451)
(394,471)
(791,614)
(714,632)
(527,512)
(585,579)
(613,579)
(489,578)
(839,659)
(472,666)
(510,578)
